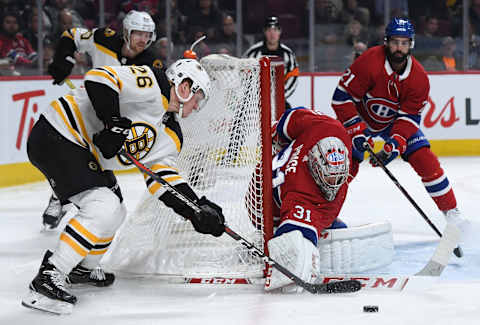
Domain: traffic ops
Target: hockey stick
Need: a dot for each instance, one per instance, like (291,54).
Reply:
(457,251)
(333,287)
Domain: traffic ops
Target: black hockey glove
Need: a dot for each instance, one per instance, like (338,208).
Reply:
(110,140)
(210,220)
(60,69)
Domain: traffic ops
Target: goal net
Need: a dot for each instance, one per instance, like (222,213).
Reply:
(226,156)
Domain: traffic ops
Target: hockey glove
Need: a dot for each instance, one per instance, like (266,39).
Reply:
(210,220)
(356,130)
(61,69)
(393,147)
(110,140)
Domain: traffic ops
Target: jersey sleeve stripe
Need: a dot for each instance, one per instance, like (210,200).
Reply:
(114,73)
(409,120)
(103,75)
(69,33)
(103,49)
(172,134)
(58,109)
(294,73)
(73,104)
(173,180)
(283,123)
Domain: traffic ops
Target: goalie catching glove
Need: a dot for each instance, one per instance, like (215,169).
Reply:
(393,147)
(110,140)
(210,219)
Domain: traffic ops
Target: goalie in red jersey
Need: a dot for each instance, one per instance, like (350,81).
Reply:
(382,94)
(310,174)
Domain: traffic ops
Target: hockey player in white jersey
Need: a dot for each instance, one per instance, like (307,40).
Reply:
(75,144)
(105,47)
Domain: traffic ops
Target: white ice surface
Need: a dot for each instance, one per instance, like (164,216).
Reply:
(455,299)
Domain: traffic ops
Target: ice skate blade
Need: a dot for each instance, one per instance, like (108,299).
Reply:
(40,302)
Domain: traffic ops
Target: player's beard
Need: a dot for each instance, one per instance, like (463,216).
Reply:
(396,57)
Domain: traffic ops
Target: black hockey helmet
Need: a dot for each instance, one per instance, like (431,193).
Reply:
(272,21)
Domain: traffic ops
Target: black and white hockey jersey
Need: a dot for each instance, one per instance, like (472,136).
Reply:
(104,46)
(144,102)
(260,49)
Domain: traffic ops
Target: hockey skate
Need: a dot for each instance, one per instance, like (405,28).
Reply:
(48,292)
(455,216)
(96,277)
(53,214)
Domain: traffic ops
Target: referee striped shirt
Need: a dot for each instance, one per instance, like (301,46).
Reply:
(291,66)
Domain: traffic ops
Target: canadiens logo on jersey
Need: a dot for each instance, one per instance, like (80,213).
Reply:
(139,142)
(381,110)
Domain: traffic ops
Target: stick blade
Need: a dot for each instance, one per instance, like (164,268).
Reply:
(344,286)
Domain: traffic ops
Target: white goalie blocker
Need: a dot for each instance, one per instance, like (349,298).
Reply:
(356,249)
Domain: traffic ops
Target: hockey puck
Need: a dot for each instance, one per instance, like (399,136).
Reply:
(370,309)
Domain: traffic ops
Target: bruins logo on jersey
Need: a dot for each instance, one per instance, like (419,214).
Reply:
(108,32)
(139,142)
(158,64)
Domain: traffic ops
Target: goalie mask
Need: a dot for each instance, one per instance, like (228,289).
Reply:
(329,165)
(191,69)
(141,21)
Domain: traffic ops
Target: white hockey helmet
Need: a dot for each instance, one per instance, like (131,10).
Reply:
(193,70)
(329,165)
(138,20)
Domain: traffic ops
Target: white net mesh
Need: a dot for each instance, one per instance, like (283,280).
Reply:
(220,153)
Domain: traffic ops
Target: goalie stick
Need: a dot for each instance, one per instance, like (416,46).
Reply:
(458,250)
(342,286)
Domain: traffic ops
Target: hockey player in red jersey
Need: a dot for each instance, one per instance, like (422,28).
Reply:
(309,187)
(382,94)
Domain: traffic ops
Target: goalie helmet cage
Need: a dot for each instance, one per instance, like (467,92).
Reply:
(226,156)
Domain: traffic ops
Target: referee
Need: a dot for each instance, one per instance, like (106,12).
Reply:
(271,46)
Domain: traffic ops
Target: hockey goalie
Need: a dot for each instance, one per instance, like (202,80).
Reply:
(310,182)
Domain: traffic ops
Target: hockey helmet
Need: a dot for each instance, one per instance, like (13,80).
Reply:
(400,27)
(272,22)
(191,69)
(329,165)
(141,21)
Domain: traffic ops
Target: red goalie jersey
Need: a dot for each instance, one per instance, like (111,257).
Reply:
(371,89)
(300,202)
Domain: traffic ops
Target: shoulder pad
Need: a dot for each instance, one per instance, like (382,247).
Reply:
(108,38)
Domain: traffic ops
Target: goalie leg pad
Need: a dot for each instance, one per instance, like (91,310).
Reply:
(297,254)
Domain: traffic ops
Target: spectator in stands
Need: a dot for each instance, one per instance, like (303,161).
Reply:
(177,22)
(398,8)
(207,16)
(377,35)
(446,60)
(474,15)
(54,9)
(227,36)
(328,23)
(428,42)
(357,49)
(162,48)
(14,47)
(352,11)
(355,32)
(31,32)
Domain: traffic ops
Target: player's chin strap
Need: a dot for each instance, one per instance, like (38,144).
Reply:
(322,288)
(180,110)
(457,251)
